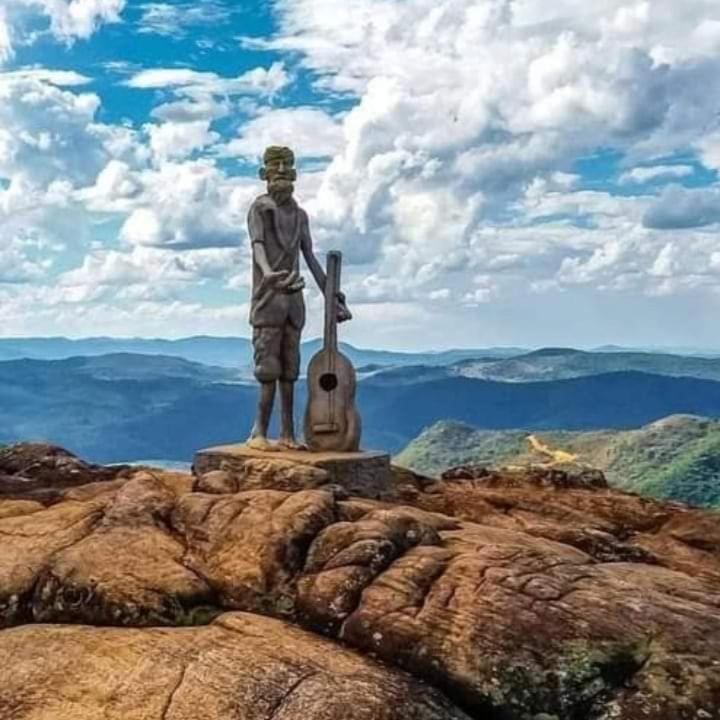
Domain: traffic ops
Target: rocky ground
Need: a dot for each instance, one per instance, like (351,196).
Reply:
(533,594)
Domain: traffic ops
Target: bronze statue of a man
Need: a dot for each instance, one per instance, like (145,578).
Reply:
(279,230)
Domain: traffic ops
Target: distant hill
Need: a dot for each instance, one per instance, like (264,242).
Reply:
(397,413)
(123,407)
(129,366)
(228,352)
(566,363)
(449,443)
(677,457)
(223,351)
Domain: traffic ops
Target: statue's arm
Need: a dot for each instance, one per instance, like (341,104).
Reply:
(310,258)
(256,230)
(317,272)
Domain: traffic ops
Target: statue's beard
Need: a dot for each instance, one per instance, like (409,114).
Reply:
(281,190)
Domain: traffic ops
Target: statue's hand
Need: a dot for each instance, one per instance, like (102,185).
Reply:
(273,279)
(343,314)
(297,286)
(292,283)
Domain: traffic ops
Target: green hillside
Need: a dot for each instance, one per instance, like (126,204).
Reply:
(676,458)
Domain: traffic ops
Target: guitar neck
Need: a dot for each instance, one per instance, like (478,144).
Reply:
(332,287)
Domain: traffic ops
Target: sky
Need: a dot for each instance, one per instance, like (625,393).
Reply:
(495,172)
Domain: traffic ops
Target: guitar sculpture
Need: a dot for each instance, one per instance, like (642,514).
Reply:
(332,422)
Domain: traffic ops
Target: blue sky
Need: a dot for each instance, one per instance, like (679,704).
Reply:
(495,171)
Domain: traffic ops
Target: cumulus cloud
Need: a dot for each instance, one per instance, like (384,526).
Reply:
(177,140)
(45,131)
(16,267)
(464,105)
(198,99)
(79,18)
(150,272)
(680,208)
(453,185)
(68,19)
(312,131)
(459,153)
(186,206)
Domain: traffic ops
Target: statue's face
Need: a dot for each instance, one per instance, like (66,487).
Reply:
(279,172)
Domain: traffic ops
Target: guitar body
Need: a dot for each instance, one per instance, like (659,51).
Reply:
(332,422)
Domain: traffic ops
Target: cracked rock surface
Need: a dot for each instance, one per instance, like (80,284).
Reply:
(239,666)
(496,595)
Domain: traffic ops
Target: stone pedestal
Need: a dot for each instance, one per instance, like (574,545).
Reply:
(232,468)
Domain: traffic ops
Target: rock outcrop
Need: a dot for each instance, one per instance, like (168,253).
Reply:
(239,666)
(499,596)
(40,471)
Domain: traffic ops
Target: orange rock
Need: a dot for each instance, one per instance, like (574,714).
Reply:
(240,666)
(515,595)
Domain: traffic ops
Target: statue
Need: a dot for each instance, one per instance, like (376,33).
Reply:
(279,230)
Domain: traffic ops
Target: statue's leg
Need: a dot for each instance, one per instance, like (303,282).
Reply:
(266,344)
(258,435)
(287,401)
(290,374)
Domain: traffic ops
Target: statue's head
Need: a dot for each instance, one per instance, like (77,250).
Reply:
(278,171)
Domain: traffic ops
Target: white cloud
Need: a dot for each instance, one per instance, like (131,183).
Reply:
(311,131)
(709,149)
(201,108)
(452,189)
(259,81)
(155,271)
(470,117)
(177,140)
(641,175)
(79,18)
(46,132)
(68,19)
(117,189)
(175,19)
(464,105)
(181,206)
(16,267)
(61,78)
(198,99)
(680,208)
(6,50)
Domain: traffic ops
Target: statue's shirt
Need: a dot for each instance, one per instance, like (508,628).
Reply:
(280,230)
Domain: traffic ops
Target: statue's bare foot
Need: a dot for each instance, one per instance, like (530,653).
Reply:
(289,443)
(261,443)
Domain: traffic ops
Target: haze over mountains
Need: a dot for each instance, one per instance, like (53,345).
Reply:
(222,351)
(128,406)
(237,351)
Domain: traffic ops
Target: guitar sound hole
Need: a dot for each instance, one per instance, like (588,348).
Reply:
(328,382)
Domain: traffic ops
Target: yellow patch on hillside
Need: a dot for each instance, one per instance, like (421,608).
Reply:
(556,456)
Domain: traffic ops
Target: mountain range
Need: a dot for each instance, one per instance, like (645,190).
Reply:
(564,363)
(493,363)
(223,351)
(124,407)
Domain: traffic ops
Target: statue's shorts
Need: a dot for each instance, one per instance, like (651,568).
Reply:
(277,353)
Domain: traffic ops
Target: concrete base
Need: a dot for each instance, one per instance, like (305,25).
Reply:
(364,474)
